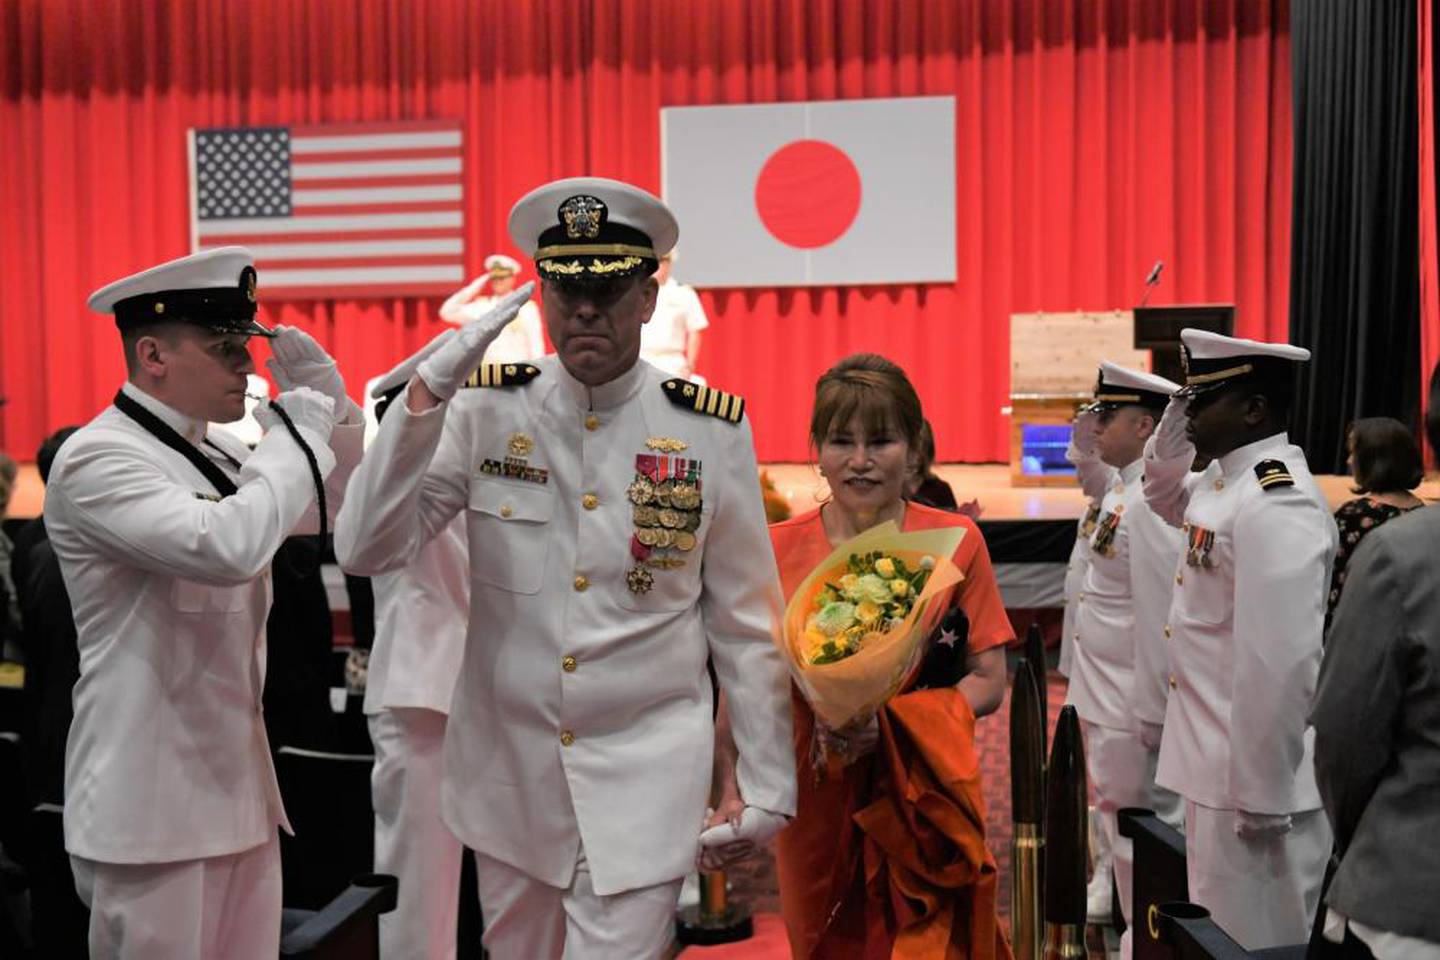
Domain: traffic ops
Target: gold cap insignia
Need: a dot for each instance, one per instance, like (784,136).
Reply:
(582,216)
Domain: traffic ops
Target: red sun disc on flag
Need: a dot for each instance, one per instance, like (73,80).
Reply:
(808,193)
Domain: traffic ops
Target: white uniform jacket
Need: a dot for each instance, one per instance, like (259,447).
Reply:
(1095,478)
(583,709)
(1132,554)
(421,613)
(167,758)
(1245,629)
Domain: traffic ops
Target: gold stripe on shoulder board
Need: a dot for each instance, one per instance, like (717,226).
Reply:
(501,375)
(705,400)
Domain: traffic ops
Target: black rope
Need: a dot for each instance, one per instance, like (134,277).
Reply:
(167,435)
(314,475)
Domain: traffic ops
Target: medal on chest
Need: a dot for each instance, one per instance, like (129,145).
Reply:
(515,465)
(1103,541)
(1198,544)
(1087,526)
(665,506)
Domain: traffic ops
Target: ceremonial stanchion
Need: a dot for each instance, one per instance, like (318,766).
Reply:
(1035,653)
(715,919)
(1159,877)
(1027,804)
(1188,929)
(1066,841)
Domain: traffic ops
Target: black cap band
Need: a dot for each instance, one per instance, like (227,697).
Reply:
(223,309)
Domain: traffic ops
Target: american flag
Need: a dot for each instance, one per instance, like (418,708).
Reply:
(340,210)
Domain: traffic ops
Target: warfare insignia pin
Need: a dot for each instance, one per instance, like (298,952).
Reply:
(666,444)
(520,445)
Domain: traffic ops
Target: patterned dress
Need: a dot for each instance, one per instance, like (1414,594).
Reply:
(1355,518)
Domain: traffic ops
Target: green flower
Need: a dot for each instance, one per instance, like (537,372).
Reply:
(834,618)
(873,588)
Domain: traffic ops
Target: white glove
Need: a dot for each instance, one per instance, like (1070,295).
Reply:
(400,374)
(1082,436)
(298,360)
(447,367)
(1169,441)
(1258,826)
(1150,735)
(728,842)
(308,409)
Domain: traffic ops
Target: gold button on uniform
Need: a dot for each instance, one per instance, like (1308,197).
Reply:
(589,501)
(1179,579)
(1173,684)
(566,738)
(592,422)
(1219,484)
(582,583)
(506,511)
(1167,631)
(568,664)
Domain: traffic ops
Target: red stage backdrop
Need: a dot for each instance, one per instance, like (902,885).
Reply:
(1092,137)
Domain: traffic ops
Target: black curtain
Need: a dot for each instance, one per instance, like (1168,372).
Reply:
(1354,247)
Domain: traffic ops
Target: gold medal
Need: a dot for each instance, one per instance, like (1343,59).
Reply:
(648,536)
(684,540)
(671,518)
(644,515)
(663,537)
(641,491)
(692,521)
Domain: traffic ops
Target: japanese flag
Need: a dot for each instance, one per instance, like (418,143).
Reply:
(804,194)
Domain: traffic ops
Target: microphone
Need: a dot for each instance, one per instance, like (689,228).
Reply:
(1152,280)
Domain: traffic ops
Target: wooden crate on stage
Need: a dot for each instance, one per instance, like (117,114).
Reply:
(1053,362)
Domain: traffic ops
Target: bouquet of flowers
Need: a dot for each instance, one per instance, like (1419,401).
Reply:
(854,632)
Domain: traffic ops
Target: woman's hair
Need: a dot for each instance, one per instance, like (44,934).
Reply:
(1387,458)
(874,389)
(926,450)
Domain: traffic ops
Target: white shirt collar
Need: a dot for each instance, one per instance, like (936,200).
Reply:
(188,427)
(607,395)
(1131,471)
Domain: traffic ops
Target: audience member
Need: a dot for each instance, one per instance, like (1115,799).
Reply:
(922,486)
(523,338)
(671,340)
(1386,463)
(9,606)
(1376,716)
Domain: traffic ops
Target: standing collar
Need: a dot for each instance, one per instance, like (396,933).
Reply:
(607,395)
(188,427)
(1243,458)
(1132,471)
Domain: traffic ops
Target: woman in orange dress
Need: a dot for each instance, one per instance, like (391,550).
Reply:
(864,873)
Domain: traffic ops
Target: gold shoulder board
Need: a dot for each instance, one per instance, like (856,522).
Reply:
(706,400)
(501,375)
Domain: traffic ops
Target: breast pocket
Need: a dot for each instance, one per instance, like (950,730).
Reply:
(509,526)
(189,596)
(1207,591)
(672,587)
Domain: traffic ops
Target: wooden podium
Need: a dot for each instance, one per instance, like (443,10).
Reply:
(1054,358)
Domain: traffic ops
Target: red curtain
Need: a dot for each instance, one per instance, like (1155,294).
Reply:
(1429,235)
(1093,137)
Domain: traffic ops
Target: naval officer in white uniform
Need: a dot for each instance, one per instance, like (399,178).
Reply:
(165,531)
(1244,636)
(1120,617)
(617,542)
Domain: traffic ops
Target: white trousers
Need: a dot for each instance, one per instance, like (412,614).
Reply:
(526,919)
(1261,892)
(1122,774)
(225,906)
(411,842)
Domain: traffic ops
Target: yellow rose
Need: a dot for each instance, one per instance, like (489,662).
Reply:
(900,588)
(814,641)
(867,612)
(885,567)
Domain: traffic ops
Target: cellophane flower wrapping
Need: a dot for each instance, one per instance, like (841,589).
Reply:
(851,690)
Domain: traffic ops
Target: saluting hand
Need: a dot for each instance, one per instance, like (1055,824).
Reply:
(298,360)
(1169,442)
(1082,436)
(447,367)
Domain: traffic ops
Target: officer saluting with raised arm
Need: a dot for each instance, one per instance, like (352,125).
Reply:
(617,541)
(165,531)
(1244,636)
